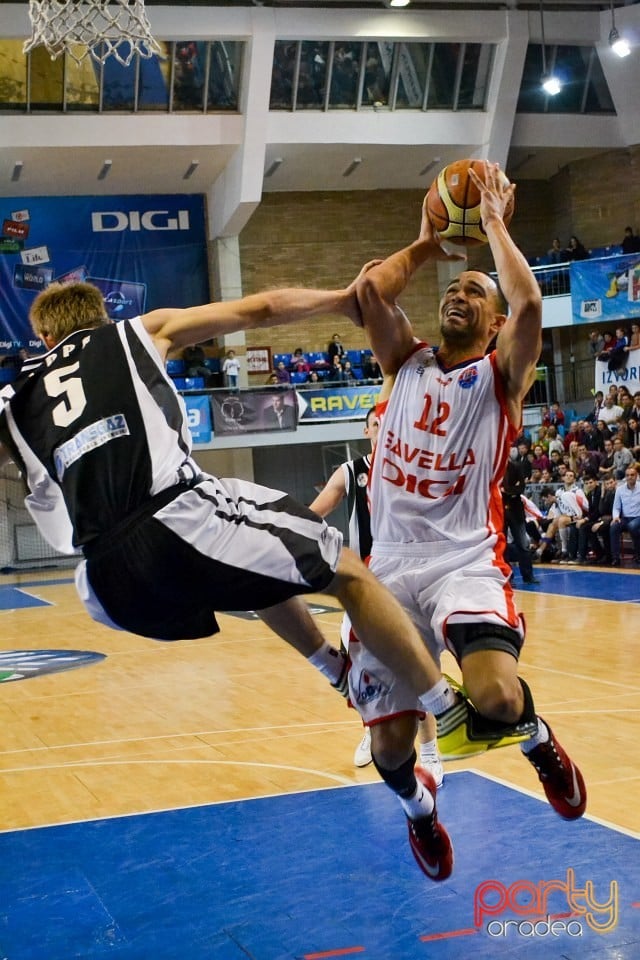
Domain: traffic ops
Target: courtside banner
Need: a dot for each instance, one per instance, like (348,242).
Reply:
(254,411)
(199,417)
(629,377)
(141,251)
(337,403)
(607,289)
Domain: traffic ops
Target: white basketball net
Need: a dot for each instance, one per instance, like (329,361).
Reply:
(98,28)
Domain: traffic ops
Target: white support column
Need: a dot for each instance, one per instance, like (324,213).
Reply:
(227,280)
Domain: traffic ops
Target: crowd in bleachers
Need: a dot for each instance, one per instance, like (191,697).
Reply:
(580,491)
(333,366)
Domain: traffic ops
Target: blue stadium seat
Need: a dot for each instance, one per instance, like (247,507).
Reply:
(180,383)
(300,377)
(281,358)
(355,357)
(212,364)
(193,383)
(317,357)
(175,368)
(358,372)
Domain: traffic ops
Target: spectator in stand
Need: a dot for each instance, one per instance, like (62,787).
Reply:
(546,477)
(299,363)
(591,437)
(618,353)
(626,402)
(272,380)
(631,436)
(540,459)
(313,380)
(606,467)
(555,459)
(554,442)
(634,338)
(608,339)
(622,458)
(231,370)
(587,462)
(536,476)
(602,527)
(554,417)
(635,410)
(335,349)
(194,363)
(594,415)
(282,373)
(596,343)
(610,412)
(630,241)
(371,369)
(573,433)
(575,250)
(556,253)
(626,516)
(603,431)
(587,540)
(336,374)
(348,373)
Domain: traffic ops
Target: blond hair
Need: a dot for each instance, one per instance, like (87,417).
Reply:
(63,308)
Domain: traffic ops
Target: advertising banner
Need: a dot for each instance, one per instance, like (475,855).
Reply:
(605,290)
(253,411)
(142,252)
(199,417)
(630,376)
(337,403)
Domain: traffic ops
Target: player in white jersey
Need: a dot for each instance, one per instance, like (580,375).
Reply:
(350,480)
(437,519)
(101,436)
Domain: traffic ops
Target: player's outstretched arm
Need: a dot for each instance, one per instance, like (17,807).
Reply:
(334,491)
(381,283)
(520,340)
(173,328)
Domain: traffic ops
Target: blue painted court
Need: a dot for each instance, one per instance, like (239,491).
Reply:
(322,874)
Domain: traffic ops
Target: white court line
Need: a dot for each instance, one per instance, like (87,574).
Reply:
(577,676)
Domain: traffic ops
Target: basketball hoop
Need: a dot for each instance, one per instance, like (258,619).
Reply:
(103,28)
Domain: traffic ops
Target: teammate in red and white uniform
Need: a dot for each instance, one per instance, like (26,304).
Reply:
(436,510)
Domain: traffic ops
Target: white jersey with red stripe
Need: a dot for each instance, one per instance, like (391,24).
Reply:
(441,454)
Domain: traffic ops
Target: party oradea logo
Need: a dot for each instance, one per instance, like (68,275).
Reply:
(23,664)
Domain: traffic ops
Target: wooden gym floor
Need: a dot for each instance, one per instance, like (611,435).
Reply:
(165,727)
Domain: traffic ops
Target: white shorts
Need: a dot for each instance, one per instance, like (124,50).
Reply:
(438,585)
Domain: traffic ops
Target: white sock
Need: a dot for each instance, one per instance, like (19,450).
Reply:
(428,751)
(419,805)
(329,661)
(439,698)
(541,736)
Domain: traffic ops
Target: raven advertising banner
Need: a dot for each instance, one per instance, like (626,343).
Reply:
(606,290)
(142,252)
(253,411)
(337,403)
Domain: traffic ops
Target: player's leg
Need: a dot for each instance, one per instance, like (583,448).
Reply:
(292,622)
(492,682)
(429,754)
(394,756)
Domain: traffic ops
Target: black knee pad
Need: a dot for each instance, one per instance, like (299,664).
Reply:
(401,780)
(468,638)
(529,710)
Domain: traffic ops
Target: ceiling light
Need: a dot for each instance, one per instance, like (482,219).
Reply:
(273,166)
(550,83)
(429,166)
(191,169)
(355,163)
(618,44)
(399,3)
(17,171)
(106,170)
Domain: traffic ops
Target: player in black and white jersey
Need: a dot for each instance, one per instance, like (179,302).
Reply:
(350,480)
(101,436)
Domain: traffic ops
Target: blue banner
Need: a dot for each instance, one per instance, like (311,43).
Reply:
(605,290)
(337,403)
(142,252)
(199,417)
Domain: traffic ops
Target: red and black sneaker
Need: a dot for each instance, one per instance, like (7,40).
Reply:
(429,841)
(562,781)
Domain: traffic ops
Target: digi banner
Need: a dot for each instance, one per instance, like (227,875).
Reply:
(199,417)
(337,403)
(605,290)
(142,252)
(254,411)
